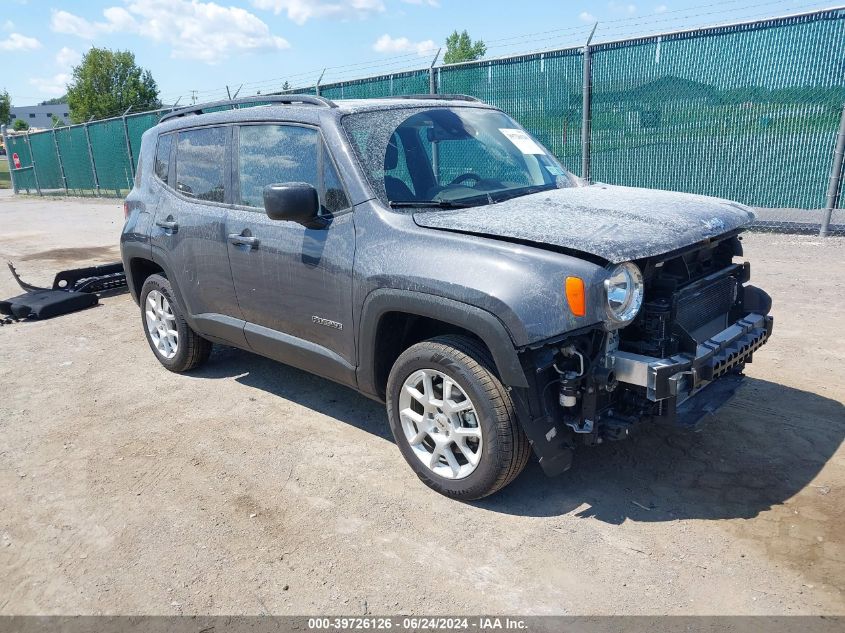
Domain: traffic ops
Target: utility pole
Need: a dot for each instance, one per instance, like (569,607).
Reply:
(193,97)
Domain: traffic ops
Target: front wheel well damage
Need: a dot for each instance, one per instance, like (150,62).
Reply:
(397,331)
(140,269)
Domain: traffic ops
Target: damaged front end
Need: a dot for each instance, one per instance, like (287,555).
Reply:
(679,359)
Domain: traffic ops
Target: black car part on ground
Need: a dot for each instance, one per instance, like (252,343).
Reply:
(72,290)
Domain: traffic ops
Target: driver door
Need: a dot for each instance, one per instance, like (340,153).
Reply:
(293,284)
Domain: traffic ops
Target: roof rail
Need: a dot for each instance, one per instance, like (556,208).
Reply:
(291,99)
(439,97)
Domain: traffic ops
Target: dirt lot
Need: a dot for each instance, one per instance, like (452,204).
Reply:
(251,487)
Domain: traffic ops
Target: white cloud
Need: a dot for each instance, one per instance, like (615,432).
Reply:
(431,3)
(8,25)
(387,44)
(300,11)
(70,24)
(622,7)
(205,31)
(18,42)
(55,85)
(67,57)
(585,16)
(660,8)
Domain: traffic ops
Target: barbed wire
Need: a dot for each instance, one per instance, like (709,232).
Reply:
(400,63)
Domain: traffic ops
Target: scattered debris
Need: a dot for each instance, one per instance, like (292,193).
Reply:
(639,505)
(72,290)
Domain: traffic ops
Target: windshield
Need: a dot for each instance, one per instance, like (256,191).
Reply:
(451,156)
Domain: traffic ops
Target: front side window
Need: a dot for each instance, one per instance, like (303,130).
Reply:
(441,156)
(200,163)
(275,154)
(162,162)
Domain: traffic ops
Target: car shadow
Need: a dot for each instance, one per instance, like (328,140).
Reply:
(764,447)
(761,449)
(318,394)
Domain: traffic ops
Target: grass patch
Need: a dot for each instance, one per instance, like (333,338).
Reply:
(5,179)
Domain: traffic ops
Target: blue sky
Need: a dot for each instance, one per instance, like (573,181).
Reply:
(203,45)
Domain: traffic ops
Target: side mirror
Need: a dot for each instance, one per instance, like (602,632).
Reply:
(295,202)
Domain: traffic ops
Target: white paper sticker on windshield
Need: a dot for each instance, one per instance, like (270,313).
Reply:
(554,170)
(523,142)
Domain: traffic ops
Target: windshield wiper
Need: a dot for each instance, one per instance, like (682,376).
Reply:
(425,204)
(509,194)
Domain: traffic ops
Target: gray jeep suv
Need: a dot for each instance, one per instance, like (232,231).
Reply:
(431,254)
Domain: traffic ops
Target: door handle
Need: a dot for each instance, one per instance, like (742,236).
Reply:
(169,224)
(243,240)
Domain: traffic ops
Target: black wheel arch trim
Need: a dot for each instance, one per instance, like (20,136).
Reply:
(479,322)
(157,257)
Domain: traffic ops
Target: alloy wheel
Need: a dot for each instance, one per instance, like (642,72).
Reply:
(440,423)
(161,324)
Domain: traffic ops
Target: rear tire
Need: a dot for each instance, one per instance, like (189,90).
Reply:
(443,397)
(174,343)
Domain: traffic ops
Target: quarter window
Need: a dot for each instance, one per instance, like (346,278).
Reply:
(200,163)
(270,154)
(162,163)
(335,196)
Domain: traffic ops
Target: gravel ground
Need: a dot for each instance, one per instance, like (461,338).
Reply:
(251,487)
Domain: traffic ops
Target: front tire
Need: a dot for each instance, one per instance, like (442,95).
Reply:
(174,343)
(453,419)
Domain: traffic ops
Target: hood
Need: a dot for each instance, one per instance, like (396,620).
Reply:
(615,223)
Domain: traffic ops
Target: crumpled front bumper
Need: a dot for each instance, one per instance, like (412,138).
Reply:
(683,376)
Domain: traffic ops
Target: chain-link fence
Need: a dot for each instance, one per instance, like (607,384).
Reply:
(748,112)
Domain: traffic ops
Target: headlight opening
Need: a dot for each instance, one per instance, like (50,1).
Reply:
(624,293)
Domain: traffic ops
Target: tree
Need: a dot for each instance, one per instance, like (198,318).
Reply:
(55,100)
(20,125)
(106,83)
(57,122)
(5,107)
(461,48)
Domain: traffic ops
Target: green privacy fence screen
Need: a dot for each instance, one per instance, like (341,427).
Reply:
(747,112)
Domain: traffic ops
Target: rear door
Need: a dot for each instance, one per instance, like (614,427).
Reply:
(189,230)
(293,284)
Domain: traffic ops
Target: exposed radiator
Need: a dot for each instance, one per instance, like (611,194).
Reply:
(702,303)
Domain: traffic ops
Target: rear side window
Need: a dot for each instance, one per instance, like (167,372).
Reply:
(270,154)
(162,164)
(200,163)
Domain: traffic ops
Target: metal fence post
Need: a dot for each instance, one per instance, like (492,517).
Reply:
(435,146)
(8,157)
(317,87)
(91,157)
(586,106)
(432,82)
(835,182)
(32,160)
(128,147)
(61,162)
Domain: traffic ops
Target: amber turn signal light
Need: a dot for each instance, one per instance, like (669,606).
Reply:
(576,296)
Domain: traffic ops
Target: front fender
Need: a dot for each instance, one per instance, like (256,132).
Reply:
(480,322)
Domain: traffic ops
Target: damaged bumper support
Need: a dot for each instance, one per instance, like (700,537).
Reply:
(681,381)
